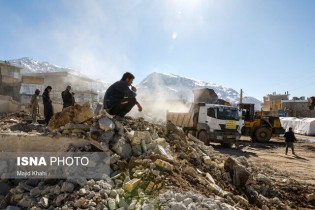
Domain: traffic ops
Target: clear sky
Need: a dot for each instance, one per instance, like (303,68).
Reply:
(261,46)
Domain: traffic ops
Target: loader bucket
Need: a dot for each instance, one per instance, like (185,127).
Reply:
(205,95)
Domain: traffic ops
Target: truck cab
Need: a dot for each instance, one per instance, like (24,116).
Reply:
(218,123)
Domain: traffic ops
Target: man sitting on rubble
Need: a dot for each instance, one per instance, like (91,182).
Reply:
(119,99)
(67,97)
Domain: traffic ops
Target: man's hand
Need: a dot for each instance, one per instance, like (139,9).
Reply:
(133,88)
(139,107)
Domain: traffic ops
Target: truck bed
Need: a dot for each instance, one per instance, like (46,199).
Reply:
(182,119)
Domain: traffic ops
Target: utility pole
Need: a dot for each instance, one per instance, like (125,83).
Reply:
(241,96)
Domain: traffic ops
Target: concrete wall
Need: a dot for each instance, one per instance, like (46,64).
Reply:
(8,105)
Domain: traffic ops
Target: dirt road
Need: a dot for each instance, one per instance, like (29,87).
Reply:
(300,167)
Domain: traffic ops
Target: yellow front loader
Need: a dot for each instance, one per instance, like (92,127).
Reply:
(260,128)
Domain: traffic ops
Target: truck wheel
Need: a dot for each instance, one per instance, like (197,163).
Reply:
(263,134)
(204,137)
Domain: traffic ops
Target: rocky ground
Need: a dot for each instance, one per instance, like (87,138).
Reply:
(158,167)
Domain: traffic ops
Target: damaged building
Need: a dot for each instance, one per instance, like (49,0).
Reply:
(85,89)
(10,83)
(280,105)
(10,80)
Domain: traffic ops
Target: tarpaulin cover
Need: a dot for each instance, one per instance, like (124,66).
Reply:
(305,126)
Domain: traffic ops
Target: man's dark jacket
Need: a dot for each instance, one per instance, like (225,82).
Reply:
(48,108)
(67,98)
(289,137)
(116,93)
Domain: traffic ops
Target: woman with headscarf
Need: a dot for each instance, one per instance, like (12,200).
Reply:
(48,108)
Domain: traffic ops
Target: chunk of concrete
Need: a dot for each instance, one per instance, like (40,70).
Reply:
(165,165)
(165,152)
(106,124)
(44,202)
(122,148)
(131,185)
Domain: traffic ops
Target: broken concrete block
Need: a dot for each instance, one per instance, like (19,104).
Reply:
(25,203)
(82,191)
(35,192)
(106,124)
(114,158)
(215,188)
(206,160)
(160,141)
(240,199)
(60,198)
(141,135)
(149,188)
(241,175)
(67,187)
(155,136)
(122,148)
(165,152)
(238,172)
(131,134)
(165,165)
(100,145)
(44,202)
(131,185)
(132,205)
(106,137)
(143,146)
(119,128)
(136,150)
(210,178)
(135,140)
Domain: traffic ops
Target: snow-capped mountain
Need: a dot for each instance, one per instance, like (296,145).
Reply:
(30,65)
(174,87)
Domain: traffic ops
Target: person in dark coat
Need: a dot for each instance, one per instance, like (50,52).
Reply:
(67,97)
(289,139)
(119,99)
(48,107)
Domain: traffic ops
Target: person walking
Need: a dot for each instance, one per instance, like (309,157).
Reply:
(67,97)
(119,99)
(289,140)
(48,107)
(35,106)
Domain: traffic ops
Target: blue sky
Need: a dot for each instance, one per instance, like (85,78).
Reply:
(261,46)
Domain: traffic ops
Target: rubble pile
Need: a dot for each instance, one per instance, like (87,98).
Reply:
(156,167)
(20,122)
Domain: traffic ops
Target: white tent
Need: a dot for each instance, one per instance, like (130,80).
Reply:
(305,126)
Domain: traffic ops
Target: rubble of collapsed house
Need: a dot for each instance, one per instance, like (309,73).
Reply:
(154,167)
